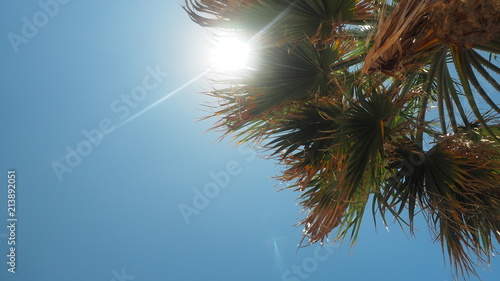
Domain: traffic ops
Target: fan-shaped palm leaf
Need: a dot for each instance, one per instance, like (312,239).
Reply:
(338,92)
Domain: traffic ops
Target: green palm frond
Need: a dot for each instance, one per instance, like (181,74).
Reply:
(456,183)
(340,93)
(319,144)
(292,73)
(281,21)
(279,78)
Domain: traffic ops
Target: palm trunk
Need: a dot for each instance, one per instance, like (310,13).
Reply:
(408,37)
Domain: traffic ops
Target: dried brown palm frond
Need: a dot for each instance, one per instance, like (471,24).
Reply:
(464,199)
(326,209)
(365,10)
(216,13)
(404,40)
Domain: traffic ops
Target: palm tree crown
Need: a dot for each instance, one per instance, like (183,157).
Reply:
(339,92)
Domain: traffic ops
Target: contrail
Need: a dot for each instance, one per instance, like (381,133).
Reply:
(273,22)
(169,95)
(264,29)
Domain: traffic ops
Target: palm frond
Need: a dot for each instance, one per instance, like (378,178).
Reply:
(339,92)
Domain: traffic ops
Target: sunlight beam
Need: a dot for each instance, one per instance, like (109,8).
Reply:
(231,54)
(273,22)
(264,29)
(169,95)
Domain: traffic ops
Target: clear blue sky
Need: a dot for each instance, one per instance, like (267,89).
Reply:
(102,179)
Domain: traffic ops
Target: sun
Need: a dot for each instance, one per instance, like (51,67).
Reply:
(229,53)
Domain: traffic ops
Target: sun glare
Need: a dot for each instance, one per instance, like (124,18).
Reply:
(229,54)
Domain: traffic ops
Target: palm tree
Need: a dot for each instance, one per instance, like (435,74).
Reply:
(339,92)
